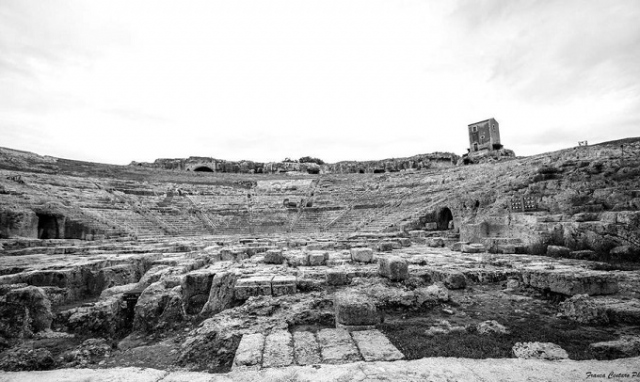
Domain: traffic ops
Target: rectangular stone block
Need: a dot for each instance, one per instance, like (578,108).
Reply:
(337,347)
(306,349)
(363,255)
(393,267)
(253,286)
(317,258)
(249,352)
(282,285)
(336,277)
(278,349)
(374,346)
(297,259)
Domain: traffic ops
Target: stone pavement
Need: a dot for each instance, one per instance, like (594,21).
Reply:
(423,370)
(328,346)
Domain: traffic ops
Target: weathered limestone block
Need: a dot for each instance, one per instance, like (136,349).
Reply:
(435,242)
(625,346)
(278,349)
(196,286)
(73,280)
(539,350)
(30,303)
(338,258)
(558,251)
(396,244)
(584,254)
(385,246)
(394,268)
(317,258)
(116,290)
(473,248)
(337,347)
(152,275)
(507,248)
(491,327)
(571,283)
(363,255)
(104,318)
(417,233)
(273,256)
(306,349)
(374,346)
(451,279)
(354,309)
(158,306)
(405,242)
(282,285)
(457,246)
(253,286)
(221,293)
(625,252)
(419,240)
(249,352)
(297,259)
(336,277)
(432,293)
(585,309)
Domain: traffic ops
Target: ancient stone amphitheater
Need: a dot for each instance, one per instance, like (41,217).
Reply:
(218,266)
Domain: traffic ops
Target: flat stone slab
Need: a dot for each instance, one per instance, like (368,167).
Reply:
(282,285)
(278,349)
(249,353)
(337,346)
(306,349)
(374,346)
(435,369)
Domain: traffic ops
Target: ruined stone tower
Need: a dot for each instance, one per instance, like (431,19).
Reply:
(484,135)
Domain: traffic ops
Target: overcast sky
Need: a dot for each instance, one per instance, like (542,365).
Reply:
(120,81)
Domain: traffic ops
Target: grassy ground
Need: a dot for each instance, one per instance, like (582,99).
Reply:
(528,320)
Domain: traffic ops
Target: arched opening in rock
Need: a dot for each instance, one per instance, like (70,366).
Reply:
(445,217)
(361,171)
(47,227)
(203,169)
(378,171)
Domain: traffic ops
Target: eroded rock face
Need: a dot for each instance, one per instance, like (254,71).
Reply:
(572,283)
(36,307)
(106,318)
(221,293)
(586,309)
(158,306)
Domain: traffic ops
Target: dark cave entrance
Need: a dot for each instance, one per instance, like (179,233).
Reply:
(47,227)
(444,218)
(203,169)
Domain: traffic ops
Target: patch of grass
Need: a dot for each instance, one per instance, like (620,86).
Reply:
(409,336)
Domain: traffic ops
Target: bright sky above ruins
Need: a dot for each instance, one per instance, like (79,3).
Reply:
(115,81)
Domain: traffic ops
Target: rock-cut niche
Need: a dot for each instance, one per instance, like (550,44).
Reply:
(47,227)
(203,169)
(444,218)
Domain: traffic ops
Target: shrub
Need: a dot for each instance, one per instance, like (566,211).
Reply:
(311,160)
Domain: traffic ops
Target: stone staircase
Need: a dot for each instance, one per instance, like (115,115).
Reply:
(327,346)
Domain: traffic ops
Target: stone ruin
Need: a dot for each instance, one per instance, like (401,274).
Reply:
(219,270)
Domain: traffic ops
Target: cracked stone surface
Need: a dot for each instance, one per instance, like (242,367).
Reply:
(427,369)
